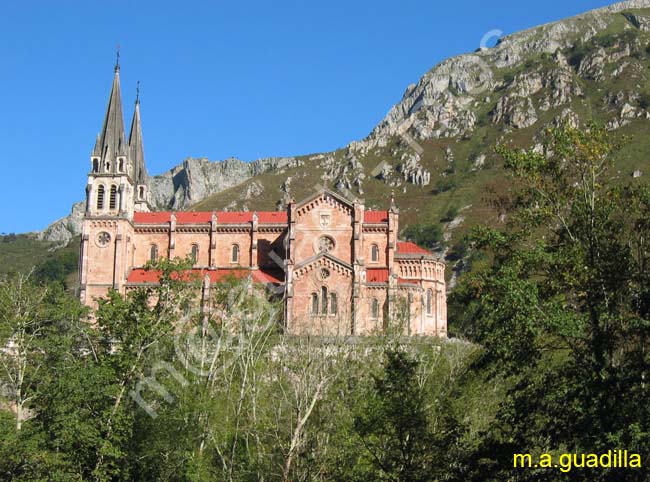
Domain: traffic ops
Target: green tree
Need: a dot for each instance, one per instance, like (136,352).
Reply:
(394,426)
(36,326)
(563,310)
(426,235)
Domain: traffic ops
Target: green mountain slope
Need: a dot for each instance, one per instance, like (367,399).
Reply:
(435,148)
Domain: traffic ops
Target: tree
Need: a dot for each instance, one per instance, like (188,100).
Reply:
(30,317)
(427,235)
(36,326)
(393,425)
(563,309)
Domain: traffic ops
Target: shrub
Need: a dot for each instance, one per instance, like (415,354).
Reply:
(443,185)
(644,100)
(451,214)
(426,235)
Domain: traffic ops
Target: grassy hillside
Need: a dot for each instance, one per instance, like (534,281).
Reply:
(606,79)
(24,253)
(465,186)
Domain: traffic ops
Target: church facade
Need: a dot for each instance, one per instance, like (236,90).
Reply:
(338,267)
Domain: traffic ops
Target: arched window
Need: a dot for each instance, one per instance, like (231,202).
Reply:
(374,253)
(107,166)
(100,197)
(323,300)
(112,204)
(374,308)
(234,256)
(195,253)
(153,253)
(429,301)
(141,192)
(120,165)
(95,165)
(314,304)
(333,304)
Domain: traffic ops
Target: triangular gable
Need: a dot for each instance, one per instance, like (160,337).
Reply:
(324,196)
(322,260)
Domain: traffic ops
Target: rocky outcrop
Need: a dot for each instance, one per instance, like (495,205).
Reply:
(184,185)
(196,179)
(413,172)
(517,112)
(530,79)
(642,22)
(64,229)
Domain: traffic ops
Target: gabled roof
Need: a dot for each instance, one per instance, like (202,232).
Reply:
(323,191)
(318,256)
(377,275)
(375,217)
(407,247)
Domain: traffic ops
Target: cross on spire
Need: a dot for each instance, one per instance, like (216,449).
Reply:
(117,60)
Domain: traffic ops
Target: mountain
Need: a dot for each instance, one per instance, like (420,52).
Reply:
(434,148)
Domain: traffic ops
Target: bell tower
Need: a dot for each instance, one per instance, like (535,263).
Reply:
(116,188)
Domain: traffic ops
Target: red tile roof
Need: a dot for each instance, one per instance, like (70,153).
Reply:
(151,276)
(151,218)
(140,275)
(223,217)
(191,218)
(403,281)
(377,275)
(143,276)
(407,247)
(375,216)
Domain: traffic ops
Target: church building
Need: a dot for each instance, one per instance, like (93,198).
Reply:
(338,267)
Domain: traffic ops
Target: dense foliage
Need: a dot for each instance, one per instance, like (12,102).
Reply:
(563,310)
(153,389)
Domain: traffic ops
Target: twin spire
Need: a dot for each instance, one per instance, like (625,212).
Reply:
(136,147)
(111,141)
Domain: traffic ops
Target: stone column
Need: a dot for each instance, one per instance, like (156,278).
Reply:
(212,261)
(291,214)
(393,216)
(356,296)
(288,313)
(89,191)
(253,263)
(172,235)
(357,245)
(83,262)
(117,282)
(120,193)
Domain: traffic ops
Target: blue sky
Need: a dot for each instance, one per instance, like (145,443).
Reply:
(247,79)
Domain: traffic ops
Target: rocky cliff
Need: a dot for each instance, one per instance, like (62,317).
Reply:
(182,186)
(434,147)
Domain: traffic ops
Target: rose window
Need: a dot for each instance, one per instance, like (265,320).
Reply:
(103,238)
(325,244)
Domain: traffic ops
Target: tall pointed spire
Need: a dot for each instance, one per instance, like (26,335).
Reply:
(111,141)
(136,147)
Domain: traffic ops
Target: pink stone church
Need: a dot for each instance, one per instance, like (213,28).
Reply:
(337,267)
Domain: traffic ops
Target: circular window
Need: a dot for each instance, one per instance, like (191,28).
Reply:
(325,244)
(103,239)
(324,273)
